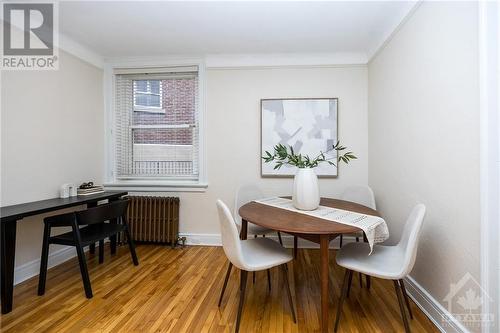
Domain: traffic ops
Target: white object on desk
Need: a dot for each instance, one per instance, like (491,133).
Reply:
(64,191)
(73,190)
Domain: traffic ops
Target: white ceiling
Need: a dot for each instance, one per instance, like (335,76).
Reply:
(133,28)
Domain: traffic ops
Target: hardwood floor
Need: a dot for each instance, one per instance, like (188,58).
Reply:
(177,291)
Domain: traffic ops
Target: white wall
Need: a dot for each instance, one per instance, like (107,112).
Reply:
(424,138)
(61,122)
(233,132)
(51,133)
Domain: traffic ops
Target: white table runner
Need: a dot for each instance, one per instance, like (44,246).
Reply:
(374,227)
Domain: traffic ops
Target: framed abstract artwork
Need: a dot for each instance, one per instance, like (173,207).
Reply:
(309,125)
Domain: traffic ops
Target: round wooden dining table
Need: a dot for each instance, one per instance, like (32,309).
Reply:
(308,227)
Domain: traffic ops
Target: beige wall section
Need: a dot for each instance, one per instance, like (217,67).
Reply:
(60,106)
(51,133)
(424,138)
(233,132)
(40,108)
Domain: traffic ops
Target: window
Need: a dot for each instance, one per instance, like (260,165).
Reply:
(148,96)
(157,126)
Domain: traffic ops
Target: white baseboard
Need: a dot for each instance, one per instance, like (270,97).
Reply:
(32,268)
(202,239)
(215,240)
(432,308)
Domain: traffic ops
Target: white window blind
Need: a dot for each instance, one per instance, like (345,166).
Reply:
(157,145)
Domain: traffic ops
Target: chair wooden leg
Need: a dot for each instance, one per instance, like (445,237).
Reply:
(295,241)
(288,291)
(407,301)
(279,238)
(101,251)
(368,277)
(228,273)
(253,273)
(357,239)
(343,294)
(243,286)
(349,284)
(401,306)
(83,270)
(92,248)
(341,239)
(131,247)
(112,244)
(269,279)
(42,278)
(82,260)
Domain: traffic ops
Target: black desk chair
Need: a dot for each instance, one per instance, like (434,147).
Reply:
(94,229)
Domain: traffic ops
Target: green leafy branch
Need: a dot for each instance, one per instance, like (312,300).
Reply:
(286,155)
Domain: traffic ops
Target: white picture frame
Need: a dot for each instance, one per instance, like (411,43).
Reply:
(309,125)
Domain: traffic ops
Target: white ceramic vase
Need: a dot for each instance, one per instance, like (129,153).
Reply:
(305,189)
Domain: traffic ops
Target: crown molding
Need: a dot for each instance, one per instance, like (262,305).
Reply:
(71,46)
(246,61)
(283,60)
(154,61)
(392,30)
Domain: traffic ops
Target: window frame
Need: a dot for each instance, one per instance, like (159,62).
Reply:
(151,185)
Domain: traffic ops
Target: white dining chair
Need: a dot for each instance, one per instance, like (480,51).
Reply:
(255,254)
(386,262)
(362,195)
(246,194)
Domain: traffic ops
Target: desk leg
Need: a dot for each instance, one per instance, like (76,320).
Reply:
(92,246)
(7,254)
(112,239)
(324,242)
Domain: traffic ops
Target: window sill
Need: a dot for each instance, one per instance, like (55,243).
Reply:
(151,109)
(157,186)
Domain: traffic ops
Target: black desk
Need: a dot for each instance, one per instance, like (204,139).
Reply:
(9,216)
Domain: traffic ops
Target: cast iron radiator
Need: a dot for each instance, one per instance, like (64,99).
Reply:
(154,219)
